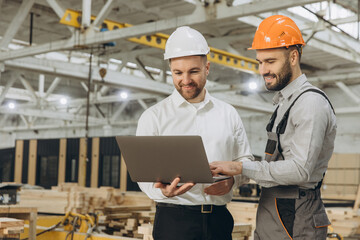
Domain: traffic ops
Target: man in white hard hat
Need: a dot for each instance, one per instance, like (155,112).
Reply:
(194,211)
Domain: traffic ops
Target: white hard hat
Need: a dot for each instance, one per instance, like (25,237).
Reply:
(185,41)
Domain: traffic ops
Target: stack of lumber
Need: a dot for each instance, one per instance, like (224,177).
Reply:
(46,201)
(241,231)
(243,212)
(342,177)
(344,221)
(71,197)
(146,230)
(10,228)
(124,220)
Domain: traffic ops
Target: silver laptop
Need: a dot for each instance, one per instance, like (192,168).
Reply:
(163,158)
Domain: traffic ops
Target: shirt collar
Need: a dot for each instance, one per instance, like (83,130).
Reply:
(289,90)
(179,100)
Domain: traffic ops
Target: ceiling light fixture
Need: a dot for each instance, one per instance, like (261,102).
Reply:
(63,101)
(11,105)
(124,95)
(253,85)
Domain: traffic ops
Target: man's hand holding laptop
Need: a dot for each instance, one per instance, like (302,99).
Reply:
(175,188)
(172,189)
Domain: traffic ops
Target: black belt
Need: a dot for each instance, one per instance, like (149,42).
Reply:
(207,208)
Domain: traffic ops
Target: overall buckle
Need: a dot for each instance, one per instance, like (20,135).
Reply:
(206,208)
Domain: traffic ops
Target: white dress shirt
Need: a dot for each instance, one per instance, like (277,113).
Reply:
(220,127)
(307,143)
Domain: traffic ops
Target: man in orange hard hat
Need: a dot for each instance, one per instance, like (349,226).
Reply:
(194,211)
(301,135)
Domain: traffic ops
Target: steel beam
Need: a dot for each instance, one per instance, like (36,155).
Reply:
(41,85)
(16,22)
(51,114)
(58,10)
(6,89)
(52,87)
(80,72)
(86,14)
(244,103)
(118,111)
(118,79)
(143,69)
(334,78)
(103,13)
(142,104)
(63,126)
(348,92)
(219,11)
(28,87)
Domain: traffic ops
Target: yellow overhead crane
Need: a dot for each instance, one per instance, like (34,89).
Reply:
(158,40)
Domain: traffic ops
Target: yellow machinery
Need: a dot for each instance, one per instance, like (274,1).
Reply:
(74,226)
(332,235)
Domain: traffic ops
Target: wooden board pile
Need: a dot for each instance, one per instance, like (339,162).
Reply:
(344,221)
(342,178)
(243,212)
(241,231)
(124,220)
(71,197)
(10,228)
(46,201)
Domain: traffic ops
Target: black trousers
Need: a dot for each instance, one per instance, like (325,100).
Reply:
(180,222)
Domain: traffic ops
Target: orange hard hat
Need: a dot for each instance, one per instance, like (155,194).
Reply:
(277,31)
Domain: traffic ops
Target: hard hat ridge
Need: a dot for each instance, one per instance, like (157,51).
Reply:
(185,41)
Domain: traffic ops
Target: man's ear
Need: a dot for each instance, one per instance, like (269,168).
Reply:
(207,68)
(294,57)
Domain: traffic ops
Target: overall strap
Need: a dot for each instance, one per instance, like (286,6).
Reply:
(270,125)
(280,129)
(282,124)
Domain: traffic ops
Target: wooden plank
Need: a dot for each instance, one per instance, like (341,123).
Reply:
(118,216)
(82,162)
(95,162)
(29,213)
(357,199)
(62,161)
(123,175)
(19,150)
(32,162)
(6,222)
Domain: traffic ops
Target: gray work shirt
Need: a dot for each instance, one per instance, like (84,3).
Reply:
(307,143)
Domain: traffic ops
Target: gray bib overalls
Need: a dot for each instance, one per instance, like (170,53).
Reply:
(289,212)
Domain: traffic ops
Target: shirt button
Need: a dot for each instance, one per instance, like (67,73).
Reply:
(302,193)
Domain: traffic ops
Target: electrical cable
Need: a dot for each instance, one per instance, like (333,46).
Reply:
(47,230)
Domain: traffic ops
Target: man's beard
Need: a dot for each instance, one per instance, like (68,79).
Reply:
(282,78)
(186,94)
